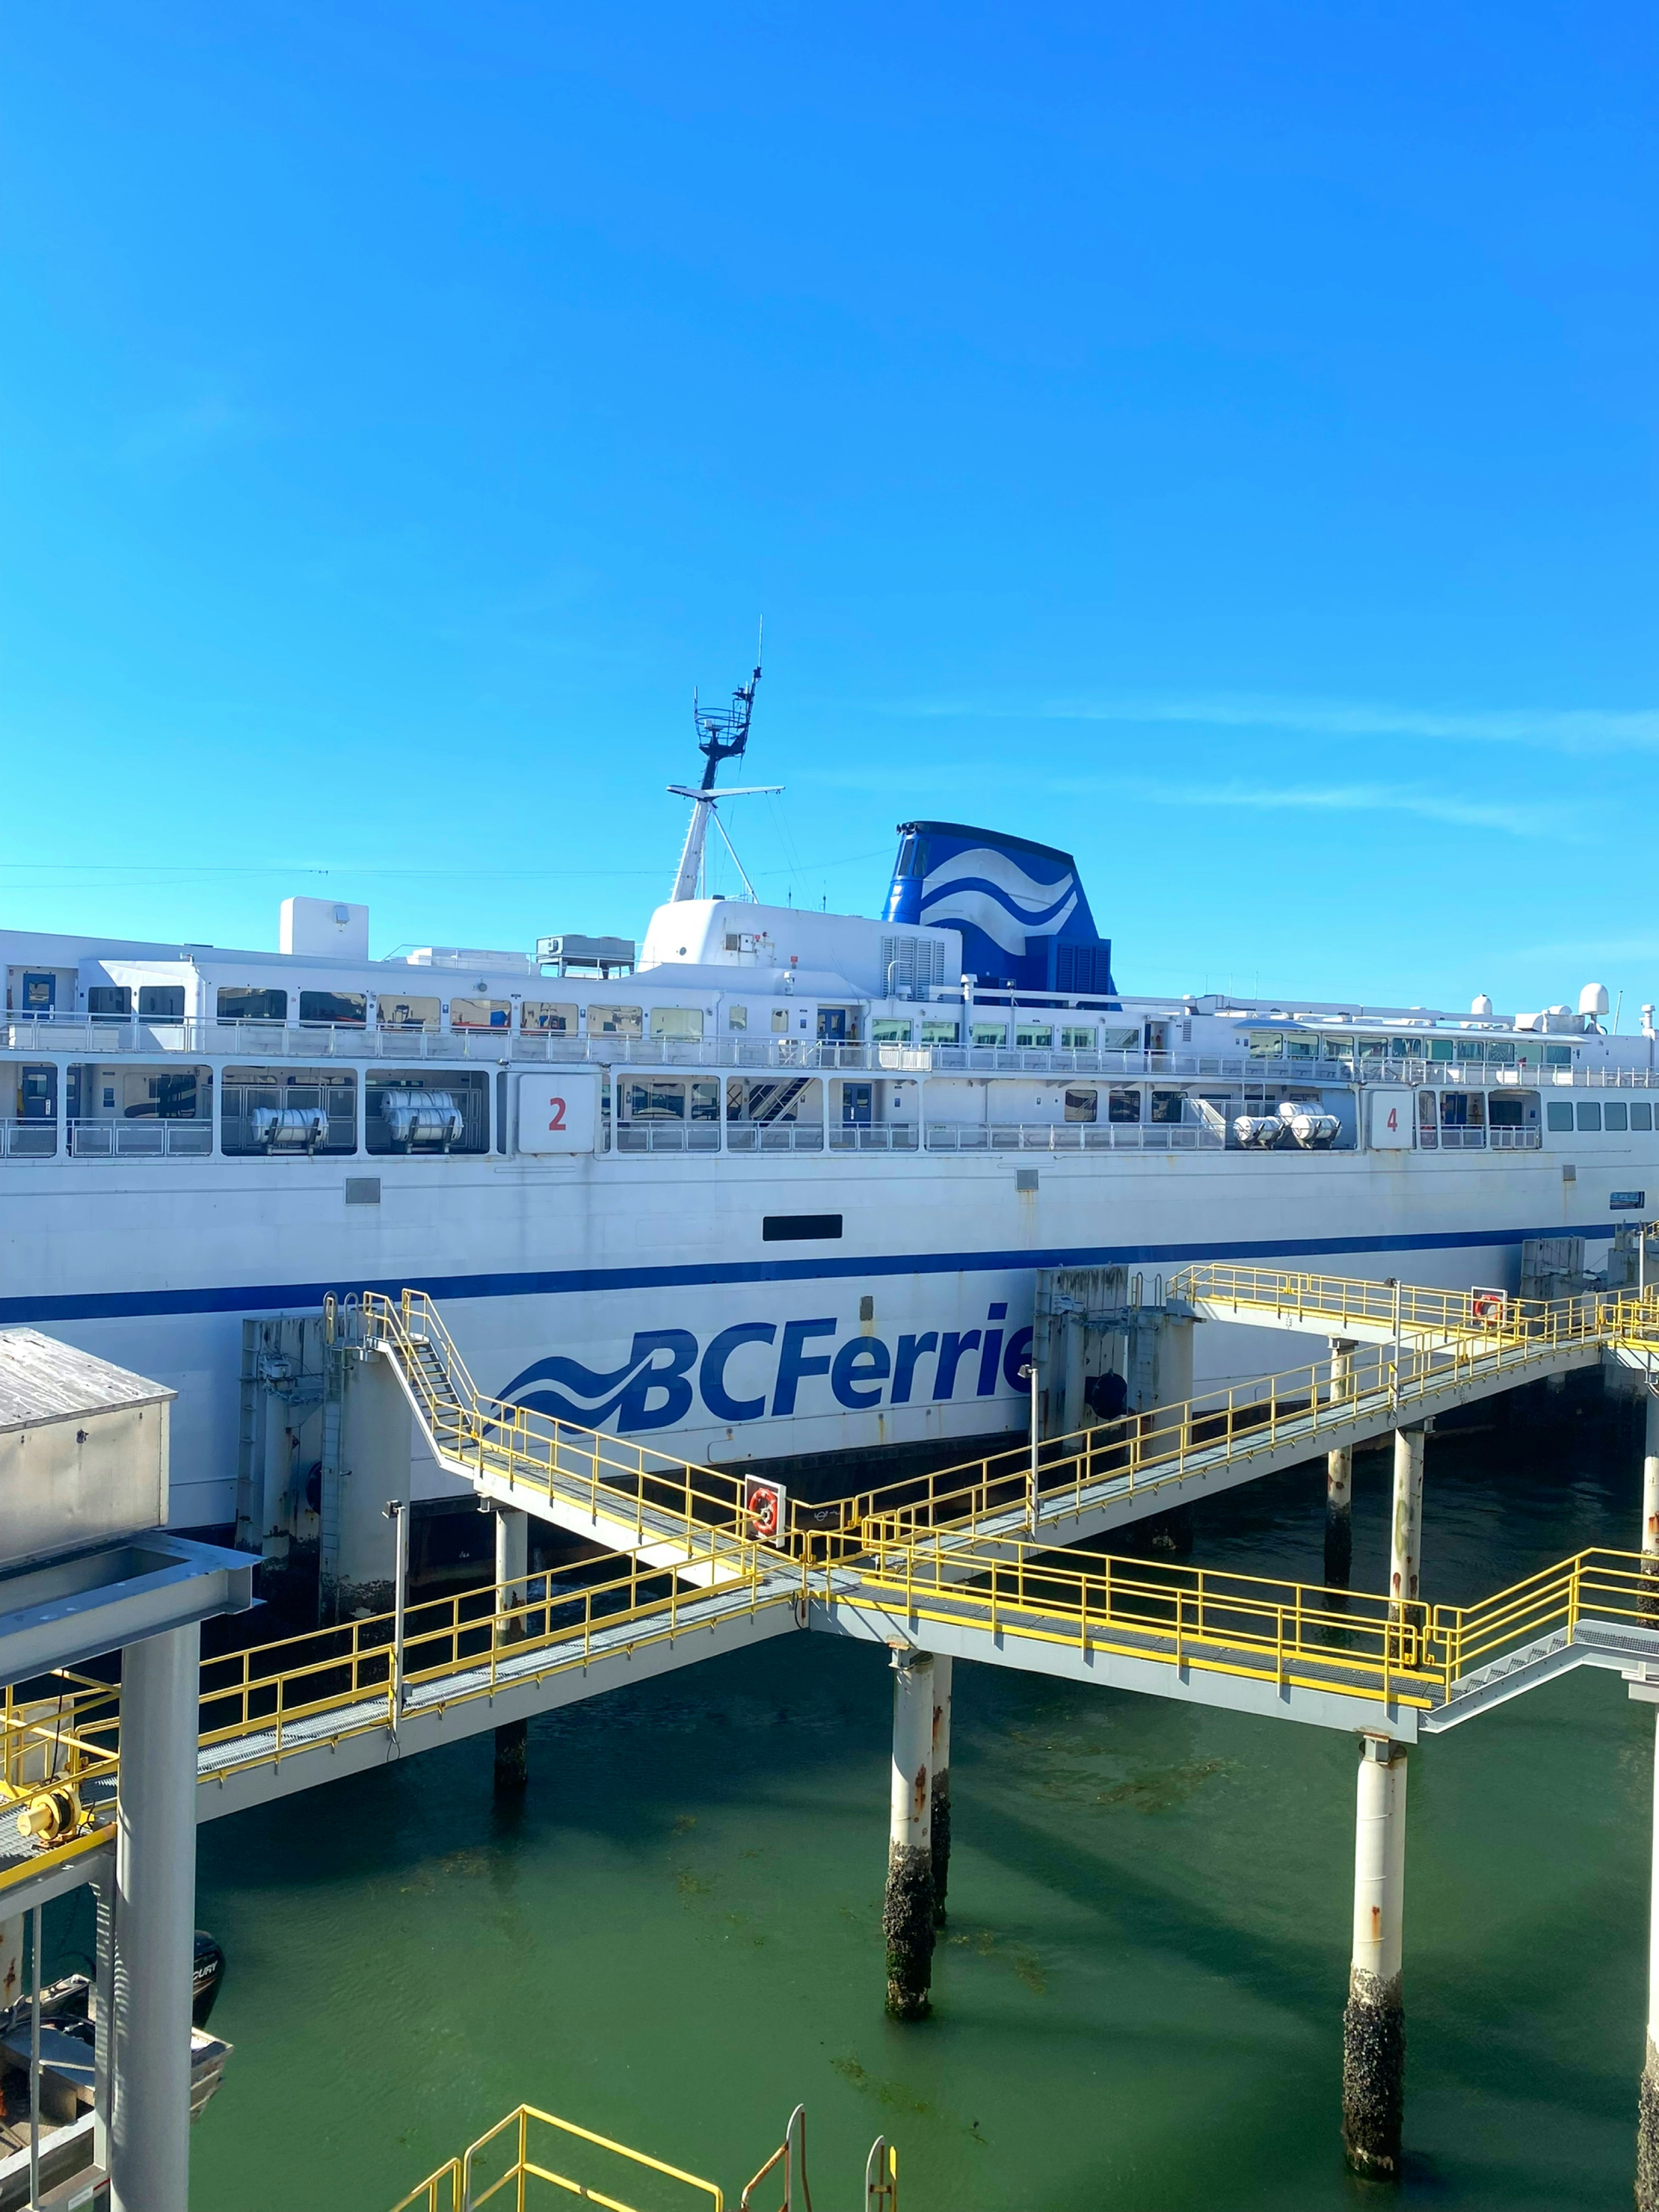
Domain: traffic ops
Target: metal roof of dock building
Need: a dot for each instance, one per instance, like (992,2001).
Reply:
(42,1380)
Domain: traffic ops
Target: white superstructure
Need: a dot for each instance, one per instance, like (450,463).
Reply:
(782,1188)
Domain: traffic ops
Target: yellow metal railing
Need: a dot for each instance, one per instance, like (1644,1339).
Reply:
(1375,1648)
(1488,1314)
(626,1488)
(272,1697)
(59,1758)
(526,2139)
(1142,1452)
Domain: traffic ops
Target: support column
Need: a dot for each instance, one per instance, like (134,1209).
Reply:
(1650,1492)
(511,1568)
(155,1916)
(377,1441)
(1405,1524)
(940,1780)
(907,1918)
(1646,2109)
(1374,2023)
(1339,1476)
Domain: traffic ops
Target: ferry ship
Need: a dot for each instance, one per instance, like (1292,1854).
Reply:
(769,1182)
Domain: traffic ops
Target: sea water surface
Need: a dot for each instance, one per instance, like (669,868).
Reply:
(674,1937)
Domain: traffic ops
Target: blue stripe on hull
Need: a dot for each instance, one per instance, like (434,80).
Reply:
(258,1298)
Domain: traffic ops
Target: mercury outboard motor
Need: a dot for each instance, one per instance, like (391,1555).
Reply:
(207,1972)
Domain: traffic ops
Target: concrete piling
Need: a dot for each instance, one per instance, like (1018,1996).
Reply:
(1374,2022)
(907,1919)
(1405,1523)
(1339,1477)
(940,1781)
(512,1565)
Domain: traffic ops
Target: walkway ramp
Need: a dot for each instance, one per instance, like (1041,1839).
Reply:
(664,1511)
(1104,1477)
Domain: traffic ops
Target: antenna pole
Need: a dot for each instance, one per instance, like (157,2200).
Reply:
(722,736)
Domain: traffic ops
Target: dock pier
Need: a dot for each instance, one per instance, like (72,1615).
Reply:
(906,1913)
(1374,2022)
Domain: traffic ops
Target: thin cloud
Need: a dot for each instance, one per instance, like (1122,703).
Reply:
(1512,820)
(1567,730)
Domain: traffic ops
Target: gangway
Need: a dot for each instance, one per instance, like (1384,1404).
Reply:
(618,1494)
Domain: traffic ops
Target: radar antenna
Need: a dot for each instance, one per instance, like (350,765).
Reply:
(722,735)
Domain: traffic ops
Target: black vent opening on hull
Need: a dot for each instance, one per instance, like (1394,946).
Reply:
(797,1228)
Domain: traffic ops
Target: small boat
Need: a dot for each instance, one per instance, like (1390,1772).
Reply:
(68,2078)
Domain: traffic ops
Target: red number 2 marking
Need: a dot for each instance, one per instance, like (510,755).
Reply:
(558,1122)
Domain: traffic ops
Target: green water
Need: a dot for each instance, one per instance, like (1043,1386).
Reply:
(1137,2002)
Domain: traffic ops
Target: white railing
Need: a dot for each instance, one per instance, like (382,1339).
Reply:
(141,1140)
(1071,1137)
(773,1137)
(1514,1140)
(29,1141)
(668,1137)
(873,1137)
(268,1041)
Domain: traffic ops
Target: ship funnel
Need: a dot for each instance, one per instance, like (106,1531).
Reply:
(1024,917)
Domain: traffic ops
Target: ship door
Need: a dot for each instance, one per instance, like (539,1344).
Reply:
(40,995)
(855,1105)
(832,1025)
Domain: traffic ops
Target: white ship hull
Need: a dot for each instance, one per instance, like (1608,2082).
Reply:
(154,1264)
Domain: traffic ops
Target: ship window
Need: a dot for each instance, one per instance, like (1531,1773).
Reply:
(345,1009)
(1589,1113)
(1500,1056)
(281,1112)
(160,1002)
(550,1020)
(427,1111)
(1123,1106)
(683,1024)
(1120,1041)
(1462,1110)
(1558,1114)
(1077,1040)
(480,1014)
(990,1033)
(109,1001)
(1166,1105)
(780,1021)
(1038,1036)
(1557,1056)
(1301,1048)
(1337,1048)
(737,1017)
(1442,1048)
(1615,1115)
(940,1032)
(1508,1109)
(1468,1049)
(1082,1105)
(889,1032)
(653,1101)
(1641,1113)
(797,1228)
(407,1013)
(1373,1049)
(615,1020)
(240,1002)
(1267,1045)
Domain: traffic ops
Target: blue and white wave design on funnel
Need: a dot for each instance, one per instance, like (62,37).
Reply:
(1024,919)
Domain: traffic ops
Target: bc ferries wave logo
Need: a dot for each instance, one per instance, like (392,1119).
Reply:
(760,1368)
(990,891)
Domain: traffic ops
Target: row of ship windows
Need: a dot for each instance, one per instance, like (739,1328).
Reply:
(165,1002)
(1465,1051)
(1616,1114)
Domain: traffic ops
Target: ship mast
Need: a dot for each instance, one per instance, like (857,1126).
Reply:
(722,735)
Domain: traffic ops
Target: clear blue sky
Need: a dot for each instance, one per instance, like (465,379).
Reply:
(1217,439)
